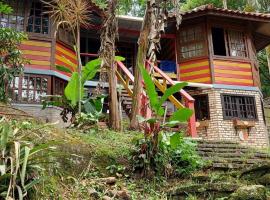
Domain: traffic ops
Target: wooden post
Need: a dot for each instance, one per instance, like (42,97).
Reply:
(192,120)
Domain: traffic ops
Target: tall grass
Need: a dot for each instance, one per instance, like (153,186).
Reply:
(19,163)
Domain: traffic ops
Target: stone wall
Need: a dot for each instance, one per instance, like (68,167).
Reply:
(221,129)
(49,115)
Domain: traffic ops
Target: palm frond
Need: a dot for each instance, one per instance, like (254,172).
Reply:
(71,12)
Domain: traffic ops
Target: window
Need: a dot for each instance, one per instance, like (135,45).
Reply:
(59,86)
(228,43)
(65,35)
(16,18)
(201,107)
(192,42)
(237,44)
(218,41)
(242,107)
(14,89)
(38,21)
(29,88)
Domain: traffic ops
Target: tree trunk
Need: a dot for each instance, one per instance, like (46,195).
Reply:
(267,50)
(107,54)
(79,67)
(225,4)
(140,61)
(268,61)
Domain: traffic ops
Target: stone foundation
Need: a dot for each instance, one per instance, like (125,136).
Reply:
(49,115)
(222,129)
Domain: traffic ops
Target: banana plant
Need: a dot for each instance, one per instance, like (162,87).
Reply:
(152,126)
(181,115)
(69,101)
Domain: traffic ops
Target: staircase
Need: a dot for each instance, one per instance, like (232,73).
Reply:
(229,154)
(126,102)
(162,82)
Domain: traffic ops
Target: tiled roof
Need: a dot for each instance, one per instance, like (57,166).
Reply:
(210,7)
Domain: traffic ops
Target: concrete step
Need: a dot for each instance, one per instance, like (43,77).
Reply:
(229,154)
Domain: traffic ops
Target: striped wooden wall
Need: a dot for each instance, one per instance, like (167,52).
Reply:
(65,56)
(233,73)
(197,71)
(38,52)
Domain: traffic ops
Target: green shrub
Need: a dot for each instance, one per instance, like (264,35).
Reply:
(176,155)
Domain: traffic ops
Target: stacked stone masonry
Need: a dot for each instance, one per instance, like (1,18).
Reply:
(221,129)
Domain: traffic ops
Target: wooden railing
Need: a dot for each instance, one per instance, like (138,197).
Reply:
(126,78)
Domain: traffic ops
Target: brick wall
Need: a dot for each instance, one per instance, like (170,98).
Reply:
(220,129)
(50,115)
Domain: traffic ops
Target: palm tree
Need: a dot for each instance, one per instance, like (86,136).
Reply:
(72,14)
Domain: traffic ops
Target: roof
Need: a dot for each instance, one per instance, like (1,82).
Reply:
(210,9)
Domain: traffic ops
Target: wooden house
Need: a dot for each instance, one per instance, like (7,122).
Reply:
(214,50)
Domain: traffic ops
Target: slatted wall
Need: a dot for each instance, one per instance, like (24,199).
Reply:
(233,73)
(197,71)
(65,56)
(38,52)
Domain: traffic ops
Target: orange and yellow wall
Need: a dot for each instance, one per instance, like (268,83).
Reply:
(39,53)
(224,72)
(197,71)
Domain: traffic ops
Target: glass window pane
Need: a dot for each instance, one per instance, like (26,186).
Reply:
(24,95)
(25,82)
(38,21)
(37,29)
(31,83)
(31,95)
(44,84)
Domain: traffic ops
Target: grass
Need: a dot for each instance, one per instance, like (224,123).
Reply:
(83,158)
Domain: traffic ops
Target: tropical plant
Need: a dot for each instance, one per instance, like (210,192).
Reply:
(11,59)
(72,14)
(5,9)
(91,111)
(19,164)
(154,23)
(72,95)
(152,126)
(176,155)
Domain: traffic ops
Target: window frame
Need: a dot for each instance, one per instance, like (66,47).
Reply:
(27,17)
(238,107)
(33,35)
(208,107)
(20,88)
(59,86)
(227,29)
(203,40)
(15,13)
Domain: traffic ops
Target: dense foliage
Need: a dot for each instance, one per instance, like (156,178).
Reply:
(264,73)
(72,94)
(153,147)
(232,4)
(20,159)
(176,156)
(11,60)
